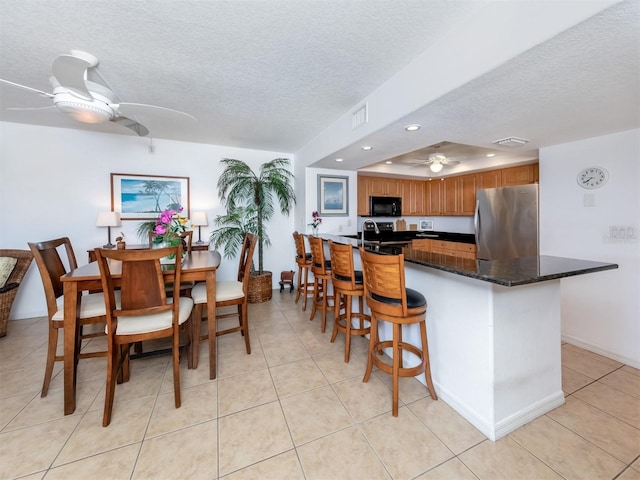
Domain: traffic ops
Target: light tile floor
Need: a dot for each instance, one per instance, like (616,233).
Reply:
(294,410)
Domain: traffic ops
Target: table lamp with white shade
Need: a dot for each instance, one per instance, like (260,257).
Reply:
(199,219)
(108,219)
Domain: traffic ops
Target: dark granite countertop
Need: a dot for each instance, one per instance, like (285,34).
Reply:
(508,272)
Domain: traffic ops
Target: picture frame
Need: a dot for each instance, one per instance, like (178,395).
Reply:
(144,197)
(333,196)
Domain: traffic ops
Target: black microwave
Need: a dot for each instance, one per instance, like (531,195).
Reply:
(385,206)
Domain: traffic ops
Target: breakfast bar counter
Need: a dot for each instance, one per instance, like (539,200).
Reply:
(494,331)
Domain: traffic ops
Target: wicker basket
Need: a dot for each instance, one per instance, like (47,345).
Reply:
(260,287)
(6,298)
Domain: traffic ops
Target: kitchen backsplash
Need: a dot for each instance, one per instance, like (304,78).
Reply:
(440,224)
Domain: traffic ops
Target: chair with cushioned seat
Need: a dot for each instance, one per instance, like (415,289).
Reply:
(228,293)
(390,301)
(92,308)
(347,283)
(142,311)
(303,259)
(321,269)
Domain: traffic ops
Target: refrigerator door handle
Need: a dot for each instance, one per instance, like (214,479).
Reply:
(476,221)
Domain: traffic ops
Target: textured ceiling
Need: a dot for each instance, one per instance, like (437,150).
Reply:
(275,74)
(257,74)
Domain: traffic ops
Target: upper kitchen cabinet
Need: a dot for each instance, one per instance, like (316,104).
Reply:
(384,187)
(433,197)
(522,175)
(490,179)
(451,196)
(413,197)
(363,196)
(467,196)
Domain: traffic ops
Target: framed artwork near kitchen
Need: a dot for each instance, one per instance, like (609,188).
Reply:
(333,196)
(144,197)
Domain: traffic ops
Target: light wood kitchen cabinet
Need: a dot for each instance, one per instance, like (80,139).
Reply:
(451,196)
(363,195)
(468,186)
(384,187)
(522,175)
(422,244)
(490,179)
(413,197)
(442,247)
(433,197)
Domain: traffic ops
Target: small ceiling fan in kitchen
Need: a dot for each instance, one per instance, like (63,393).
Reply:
(436,161)
(91,102)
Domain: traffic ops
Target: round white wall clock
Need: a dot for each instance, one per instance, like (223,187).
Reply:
(592,177)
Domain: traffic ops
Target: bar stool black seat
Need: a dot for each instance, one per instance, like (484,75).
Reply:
(303,260)
(390,301)
(347,283)
(321,269)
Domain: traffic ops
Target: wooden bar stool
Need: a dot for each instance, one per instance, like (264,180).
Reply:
(390,301)
(347,283)
(303,259)
(321,269)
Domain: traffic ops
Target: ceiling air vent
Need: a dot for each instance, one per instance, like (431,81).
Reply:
(510,142)
(359,117)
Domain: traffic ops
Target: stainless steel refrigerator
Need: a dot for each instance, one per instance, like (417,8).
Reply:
(506,222)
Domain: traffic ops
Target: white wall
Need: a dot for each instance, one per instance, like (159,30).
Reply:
(54,181)
(601,311)
(335,225)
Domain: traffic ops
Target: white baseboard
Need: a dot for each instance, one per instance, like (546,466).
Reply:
(635,363)
(523,417)
(506,426)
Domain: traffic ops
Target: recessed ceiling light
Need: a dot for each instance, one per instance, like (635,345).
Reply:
(412,128)
(366,148)
(388,162)
(491,154)
(339,159)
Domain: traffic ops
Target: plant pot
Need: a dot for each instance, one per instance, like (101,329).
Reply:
(260,287)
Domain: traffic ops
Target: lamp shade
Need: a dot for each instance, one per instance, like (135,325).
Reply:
(199,219)
(435,167)
(108,219)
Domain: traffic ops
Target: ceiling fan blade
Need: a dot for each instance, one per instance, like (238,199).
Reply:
(70,72)
(32,108)
(140,129)
(452,162)
(29,89)
(133,109)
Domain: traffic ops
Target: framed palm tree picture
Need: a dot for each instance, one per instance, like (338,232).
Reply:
(144,197)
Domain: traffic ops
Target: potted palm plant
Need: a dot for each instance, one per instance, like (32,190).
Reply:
(239,187)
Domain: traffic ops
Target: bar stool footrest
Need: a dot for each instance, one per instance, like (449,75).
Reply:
(402,371)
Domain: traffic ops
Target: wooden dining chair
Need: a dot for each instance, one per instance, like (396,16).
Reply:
(143,312)
(228,293)
(92,308)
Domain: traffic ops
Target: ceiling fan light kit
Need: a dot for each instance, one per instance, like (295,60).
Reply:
(90,102)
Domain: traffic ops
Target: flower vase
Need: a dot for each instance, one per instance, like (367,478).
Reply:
(169,259)
(314,231)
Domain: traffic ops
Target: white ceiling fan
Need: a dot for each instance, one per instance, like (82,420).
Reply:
(90,102)
(436,161)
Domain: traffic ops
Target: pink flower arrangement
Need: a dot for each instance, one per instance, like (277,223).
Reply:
(169,226)
(315,220)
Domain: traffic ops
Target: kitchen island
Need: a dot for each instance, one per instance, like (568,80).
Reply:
(494,331)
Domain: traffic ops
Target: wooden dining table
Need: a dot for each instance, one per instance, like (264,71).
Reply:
(199,266)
